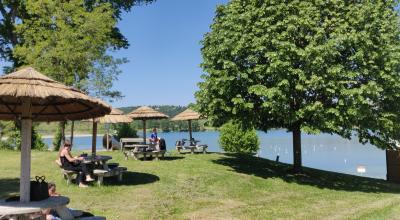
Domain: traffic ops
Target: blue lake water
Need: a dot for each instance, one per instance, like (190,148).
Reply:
(323,151)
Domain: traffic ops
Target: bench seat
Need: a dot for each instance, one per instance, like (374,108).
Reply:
(100,173)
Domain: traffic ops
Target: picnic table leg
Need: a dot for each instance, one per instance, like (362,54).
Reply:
(100,180)
(120,176)
(192,150)
(144,156)
(135,156)
(157,156)
(126,155)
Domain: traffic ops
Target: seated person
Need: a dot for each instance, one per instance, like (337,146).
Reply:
(51,214)
(74,163)
(154,139)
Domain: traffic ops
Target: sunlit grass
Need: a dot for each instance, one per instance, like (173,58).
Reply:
(215,186)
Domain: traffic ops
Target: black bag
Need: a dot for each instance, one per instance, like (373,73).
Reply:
(162,144)
(39,189)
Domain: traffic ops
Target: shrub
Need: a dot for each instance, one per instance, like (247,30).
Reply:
(124,130)
(237,138)
(14,140)
(57,139)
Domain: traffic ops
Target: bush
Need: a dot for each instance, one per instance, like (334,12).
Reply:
(124,130)
(236,138)
(14,140)
(57,139)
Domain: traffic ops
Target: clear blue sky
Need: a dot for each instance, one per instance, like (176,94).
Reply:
(165,51)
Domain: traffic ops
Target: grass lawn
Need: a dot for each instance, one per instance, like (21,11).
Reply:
(215,186)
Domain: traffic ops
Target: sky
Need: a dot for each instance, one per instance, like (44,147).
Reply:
(164,54)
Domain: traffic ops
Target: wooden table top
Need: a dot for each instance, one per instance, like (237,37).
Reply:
(19,208)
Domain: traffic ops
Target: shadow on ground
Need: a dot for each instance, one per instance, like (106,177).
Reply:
(265,168)
(133,178)
(161,159)
(9,187)
(172,158)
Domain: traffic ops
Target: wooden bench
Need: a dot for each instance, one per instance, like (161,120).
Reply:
(199,148)
(155,153)
(69,175)
(100,174)
(128,141)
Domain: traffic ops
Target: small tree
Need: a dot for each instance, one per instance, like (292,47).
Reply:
(237,138)
(125,130)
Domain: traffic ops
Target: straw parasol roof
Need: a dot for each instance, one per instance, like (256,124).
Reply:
(50,100)
(115,116)
(29,95)
(145,112)
(188,114)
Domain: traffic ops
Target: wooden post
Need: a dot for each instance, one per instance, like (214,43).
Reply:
(94,137)
(190,130)
(72,132)
(144,131)
(26,133)
(107,129)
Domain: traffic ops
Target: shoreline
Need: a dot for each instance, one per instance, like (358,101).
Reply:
(75,135)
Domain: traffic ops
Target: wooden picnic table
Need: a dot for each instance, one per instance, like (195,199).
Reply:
(98,160)
(22,210)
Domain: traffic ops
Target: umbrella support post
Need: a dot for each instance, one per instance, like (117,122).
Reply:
(144,131)
(26,134)
(107,145)
(94,137)
(190,130)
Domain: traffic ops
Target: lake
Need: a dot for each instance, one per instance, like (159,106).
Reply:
(323,151)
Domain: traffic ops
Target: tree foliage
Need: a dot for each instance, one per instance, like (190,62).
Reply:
(15,11)
(314,66)
(237,138)
(63,40)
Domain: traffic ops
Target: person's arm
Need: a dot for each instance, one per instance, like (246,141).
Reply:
(69,157)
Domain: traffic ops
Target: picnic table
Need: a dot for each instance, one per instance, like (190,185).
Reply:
(102,169)
(191,145)
(135,147)
(22,210)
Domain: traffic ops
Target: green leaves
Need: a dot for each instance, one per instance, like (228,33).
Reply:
(330,66)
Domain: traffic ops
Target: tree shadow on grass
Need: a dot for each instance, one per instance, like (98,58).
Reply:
(168,158)
(265,168)
(8,187)
(132,178)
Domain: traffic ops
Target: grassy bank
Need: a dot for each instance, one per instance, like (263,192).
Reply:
(216,186)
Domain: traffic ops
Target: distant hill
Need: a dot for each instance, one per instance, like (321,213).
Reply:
(170,110)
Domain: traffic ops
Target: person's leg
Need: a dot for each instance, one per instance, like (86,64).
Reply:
(85,172)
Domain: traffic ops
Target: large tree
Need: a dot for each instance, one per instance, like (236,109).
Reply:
(313,66)
(13,12)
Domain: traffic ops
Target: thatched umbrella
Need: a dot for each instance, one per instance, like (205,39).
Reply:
(187,115)
(145,113)
(116,116)
(27,95)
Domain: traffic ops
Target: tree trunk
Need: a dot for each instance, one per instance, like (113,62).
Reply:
(297,167)
(72,132)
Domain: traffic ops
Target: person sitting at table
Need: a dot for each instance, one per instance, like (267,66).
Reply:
(154,139)
(68,162)
(51,214)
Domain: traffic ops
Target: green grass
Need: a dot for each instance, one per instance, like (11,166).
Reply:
(216,186)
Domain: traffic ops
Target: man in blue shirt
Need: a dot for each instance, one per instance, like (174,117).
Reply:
(153,138)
